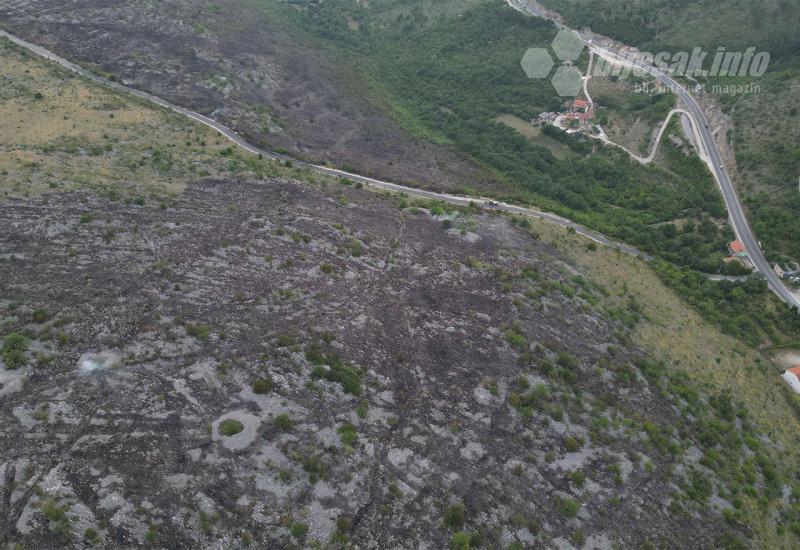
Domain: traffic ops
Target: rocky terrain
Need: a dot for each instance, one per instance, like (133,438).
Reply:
(200,348)
(392,378)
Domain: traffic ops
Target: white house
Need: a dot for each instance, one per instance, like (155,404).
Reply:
(792,377)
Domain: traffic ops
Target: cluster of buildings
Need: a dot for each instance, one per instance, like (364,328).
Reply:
(580,110)
(738,253)
(791,275)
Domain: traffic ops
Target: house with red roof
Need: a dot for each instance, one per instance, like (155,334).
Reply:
(736,248)
(580,106)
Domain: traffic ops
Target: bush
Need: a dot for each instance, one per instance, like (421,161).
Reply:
(348,434)
(283,422)
(14,348)
(91,536)
(347,375)
(454,516)
(298,529)
(460,541)
(362,409)
(40,316)
(571,444)
(262,386)
(230,427)
(515,339)
(201,332)
(568,507)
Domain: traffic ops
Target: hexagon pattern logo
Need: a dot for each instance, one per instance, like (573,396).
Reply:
(538,63)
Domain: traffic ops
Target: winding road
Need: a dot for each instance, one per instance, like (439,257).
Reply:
(709,151)
(705,139)
(649,158)
(484,203)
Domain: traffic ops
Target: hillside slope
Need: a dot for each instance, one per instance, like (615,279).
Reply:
(260,357)
(409,91)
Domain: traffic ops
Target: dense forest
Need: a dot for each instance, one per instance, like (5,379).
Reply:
(654,25)
(448,78)
(446,70)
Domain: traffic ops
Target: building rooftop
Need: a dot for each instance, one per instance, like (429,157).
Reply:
(736,246)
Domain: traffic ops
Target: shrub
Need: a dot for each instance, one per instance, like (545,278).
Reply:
(515,339)
(355,247)
(348,434)
(57,517)
(91,536)
(262,386)
(460,541)
(454,516)
(578,538)
(230,427)
(201,332)
(314,355)
(298,529)
(566,359)
(571,444)
(14,348)
(285,340)
(347,375)
(283,422)
(568,507)
(362,409)
(152,533)
(40,316)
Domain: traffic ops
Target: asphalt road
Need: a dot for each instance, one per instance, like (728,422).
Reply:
(710,153)
(484,203)
(714,160)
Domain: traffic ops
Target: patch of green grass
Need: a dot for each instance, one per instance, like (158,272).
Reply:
(229,427)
